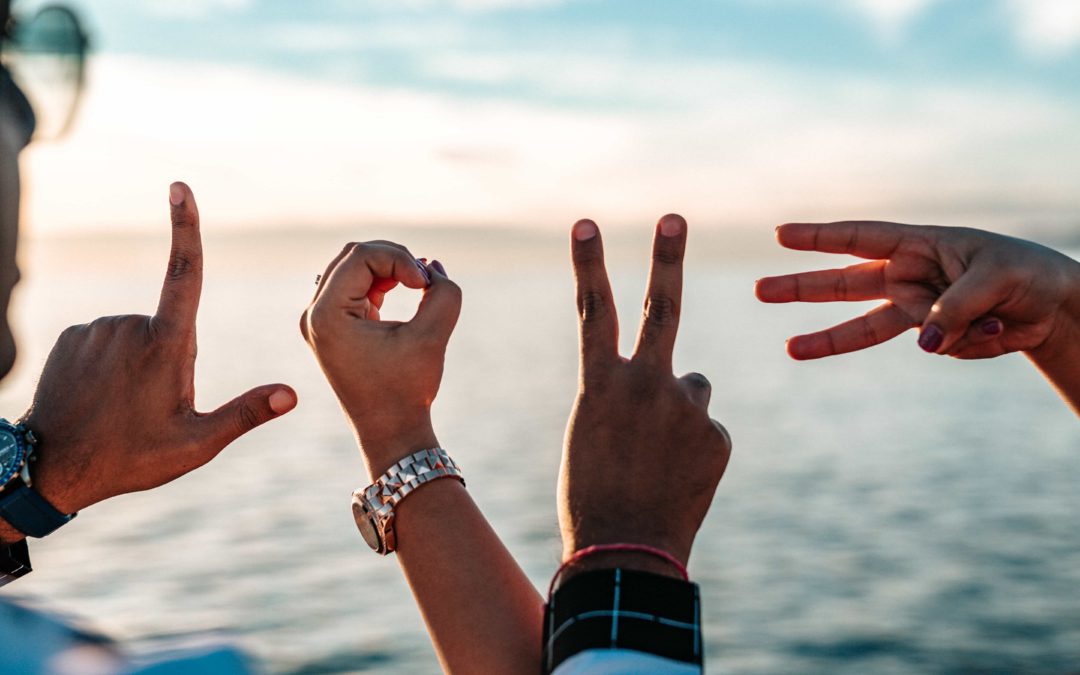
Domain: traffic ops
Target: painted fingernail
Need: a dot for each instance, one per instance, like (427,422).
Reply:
(423,270)
(282,401)
(930,338)
(992,327)
(671,226)
(585,230)
(176,194)
(439,268)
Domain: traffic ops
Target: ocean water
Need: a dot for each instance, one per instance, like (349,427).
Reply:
(884,512)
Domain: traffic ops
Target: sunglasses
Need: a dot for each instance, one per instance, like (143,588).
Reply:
(46,57)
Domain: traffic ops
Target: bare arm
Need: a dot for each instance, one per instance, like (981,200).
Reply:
(386,375)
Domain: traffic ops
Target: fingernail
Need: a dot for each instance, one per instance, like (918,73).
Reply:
(423,270)
(176,194)
(671,226)
(585,230)
(439,268)
(992,327)
(930,338)
(282,401)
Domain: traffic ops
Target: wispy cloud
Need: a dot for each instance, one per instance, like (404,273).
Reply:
(1047,28)
(733,144)
(890,17)
(192,9)
(466,5)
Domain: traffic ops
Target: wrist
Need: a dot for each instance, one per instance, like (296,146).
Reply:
(1062,345)
(55,476)
(626,552)
(390,438)
(628,560)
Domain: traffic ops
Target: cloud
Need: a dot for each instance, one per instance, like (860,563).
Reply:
(464,5)
(890,17)
(726,143)
(1047,28)
(193,9)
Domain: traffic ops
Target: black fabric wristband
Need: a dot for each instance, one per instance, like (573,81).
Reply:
(623,609)
(14,561)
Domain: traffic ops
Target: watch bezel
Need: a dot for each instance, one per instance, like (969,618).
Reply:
(7,474)
(367,523)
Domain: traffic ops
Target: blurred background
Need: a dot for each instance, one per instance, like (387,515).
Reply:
(884,512)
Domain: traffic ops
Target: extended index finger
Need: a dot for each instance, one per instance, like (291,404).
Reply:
(596,307)
(660,322)
(179,303)
(863,238)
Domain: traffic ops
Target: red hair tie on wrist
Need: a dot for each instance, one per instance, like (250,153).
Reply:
(618,548)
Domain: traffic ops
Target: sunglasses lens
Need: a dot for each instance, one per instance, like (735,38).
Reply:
(46,58)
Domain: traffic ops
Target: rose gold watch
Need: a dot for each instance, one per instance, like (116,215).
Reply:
(373,506)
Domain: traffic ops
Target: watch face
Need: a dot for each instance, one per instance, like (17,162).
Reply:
(366,524)
(11,456)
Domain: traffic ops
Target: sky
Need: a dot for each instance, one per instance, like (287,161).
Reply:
(533,113)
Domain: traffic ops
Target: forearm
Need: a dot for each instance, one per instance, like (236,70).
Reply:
(483,613)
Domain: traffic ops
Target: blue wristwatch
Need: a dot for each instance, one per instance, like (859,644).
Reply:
(20,504)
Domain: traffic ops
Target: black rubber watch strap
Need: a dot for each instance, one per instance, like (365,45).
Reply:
(28,512)
(14,561)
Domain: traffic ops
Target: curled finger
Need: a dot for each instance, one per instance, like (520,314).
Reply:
(698,388)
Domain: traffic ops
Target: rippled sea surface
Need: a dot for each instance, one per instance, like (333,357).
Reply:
(884,512)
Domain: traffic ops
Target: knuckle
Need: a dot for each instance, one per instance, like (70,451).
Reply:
(947,307)
(320,320)
(588,256)
(660,310)
(304,324)
(725,438)
(869,333)
(247,417)
(840,287)
(667,254)
(453,289)
(74,332)
(181,263)
(592,306)
(697,380)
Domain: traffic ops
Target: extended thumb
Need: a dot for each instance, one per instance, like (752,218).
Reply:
(249,410)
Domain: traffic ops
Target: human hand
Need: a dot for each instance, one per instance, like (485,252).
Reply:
(114,410)
(642,458)
(385,373)
(975,294)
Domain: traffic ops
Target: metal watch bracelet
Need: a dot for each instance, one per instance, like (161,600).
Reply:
(373,506)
